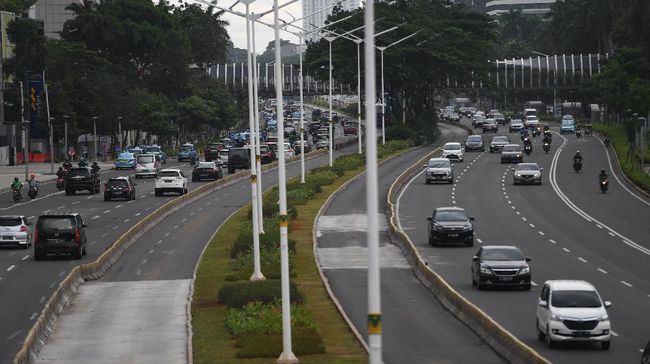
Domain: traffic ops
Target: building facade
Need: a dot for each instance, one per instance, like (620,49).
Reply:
(531,7)
(53,13)
(316,21)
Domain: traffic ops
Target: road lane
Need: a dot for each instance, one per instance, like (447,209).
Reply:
(561,243)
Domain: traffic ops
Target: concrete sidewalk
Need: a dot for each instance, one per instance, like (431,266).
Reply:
(41,170)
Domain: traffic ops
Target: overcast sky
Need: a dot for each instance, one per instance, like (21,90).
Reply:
(263,34)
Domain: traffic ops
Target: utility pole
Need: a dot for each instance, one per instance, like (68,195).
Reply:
(25,131)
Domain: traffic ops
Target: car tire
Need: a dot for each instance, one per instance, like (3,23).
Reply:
(451,181)
(550,343)
(106,199)
(38,256)
(432,242)
(157,192)
(133,196)
(471,243)
(605,345)
(83,251)
(526,287)
(78,253)
(426,181)
(67,192)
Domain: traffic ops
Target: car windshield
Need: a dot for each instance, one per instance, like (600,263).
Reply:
(566,298)
(531,117)
(452,146)
(168,174)
(527,167)
(142,159)
(501,254)
(125,156)
(186,148)
(56,223)
(118,183)
(223,153)
(10,221)
(135,151)
(439,164)
(450,215)
(264,149)
(474,138)
(153,150)
(500,139)
(567,122)
(79,172)
(512,148)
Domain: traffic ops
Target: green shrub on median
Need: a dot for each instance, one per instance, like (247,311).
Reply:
(242,265)
(240,294)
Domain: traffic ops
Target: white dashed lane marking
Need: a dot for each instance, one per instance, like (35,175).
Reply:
(601,270)
(11,268)
(627,284)
(552,241)
(582,260)
(25,258)
(541,233)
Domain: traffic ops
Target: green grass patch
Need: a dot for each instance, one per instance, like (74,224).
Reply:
(618,140)
(247,293)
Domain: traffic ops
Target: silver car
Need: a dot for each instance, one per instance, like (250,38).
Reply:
(15,231)
(528,173)
(439,169)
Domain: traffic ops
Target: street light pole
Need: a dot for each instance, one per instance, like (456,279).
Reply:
(65,134)
(383,98)
(374,287)
(119,132)
(95,136)
(330,39)
(302,117)
(49,123)
(24,126)
(256,102)
(358,42)
(257,273)
(287,355)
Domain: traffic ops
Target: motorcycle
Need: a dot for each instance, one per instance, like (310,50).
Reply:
(547,147)
(528,149)
(578,133)
(33,192)
(536,132)
(577,165)
(193,161)
(604,185)
(17,195)
(60,183)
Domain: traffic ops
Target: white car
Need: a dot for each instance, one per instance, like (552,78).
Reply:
(222,157)
(15,231)
(452,151)
(531,120)
(439,169)
(570,310)
(170,180)
(288,151)
(146,166)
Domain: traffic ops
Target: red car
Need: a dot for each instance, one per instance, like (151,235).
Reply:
(207,170)
(211,151)
(350,128)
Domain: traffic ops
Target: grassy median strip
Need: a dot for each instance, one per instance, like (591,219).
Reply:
(629,164)
(236,321)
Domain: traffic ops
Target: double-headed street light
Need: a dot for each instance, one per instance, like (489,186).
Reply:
(95,136)
(383,95)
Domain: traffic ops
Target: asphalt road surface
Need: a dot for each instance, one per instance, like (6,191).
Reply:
(567,226)
(416,327)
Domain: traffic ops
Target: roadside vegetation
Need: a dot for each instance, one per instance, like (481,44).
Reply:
(236,320)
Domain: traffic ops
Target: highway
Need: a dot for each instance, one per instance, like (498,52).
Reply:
(26,285)
(416,327)
(568,228)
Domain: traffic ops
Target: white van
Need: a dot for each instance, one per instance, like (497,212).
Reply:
(146,165)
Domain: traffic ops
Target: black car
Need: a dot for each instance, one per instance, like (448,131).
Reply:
(238,158)
(207,170)
(450,225)
(296,147)
(266,154)
(512,153)
(119,187)
(60,234)
(500,265)
(474,142)
(81,178)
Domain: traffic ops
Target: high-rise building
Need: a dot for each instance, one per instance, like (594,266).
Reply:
(53,13)
(532,7)
(316,21)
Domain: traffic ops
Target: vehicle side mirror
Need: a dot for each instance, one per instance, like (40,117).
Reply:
(29,223)
(84,224)
(541,169)
(543,304)
(471,218)
(475,258)
(528,259)
(608,304)
(428,218)
(512,169)
(424,165)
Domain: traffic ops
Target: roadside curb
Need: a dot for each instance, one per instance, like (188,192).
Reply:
(45,323)
(620,170)
(495,335)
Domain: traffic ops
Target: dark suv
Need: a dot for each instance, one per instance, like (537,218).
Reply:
(119,187)
(81,178)
(238,158)
(450,225)
(59,234)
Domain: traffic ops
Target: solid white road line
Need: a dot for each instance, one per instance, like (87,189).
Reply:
(76,202)
(11,268)
(601,270)
(582,260)
(627,284)
(611,168)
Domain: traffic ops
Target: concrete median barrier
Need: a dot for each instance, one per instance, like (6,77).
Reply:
(45,323)
(500,339)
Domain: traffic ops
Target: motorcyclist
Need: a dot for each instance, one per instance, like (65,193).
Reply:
(603,175)
(60,173)
(16,184)
(546,128)
(95,168)
(577,157)
(547,138)
(606,141)
(527,143)
(33,184)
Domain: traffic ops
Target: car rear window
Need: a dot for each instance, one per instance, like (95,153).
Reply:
(56,223)
(205,165)
(168,174)
(474,138)
(511,148)
(500,139)
(79,172)
(527,167)
(575,299)
(120,183)
(145,159)
(452,147)
(10,221)
(501,254)
(453,215)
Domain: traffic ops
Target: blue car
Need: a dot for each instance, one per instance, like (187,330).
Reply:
(125,160)
(186,152)
(157,151)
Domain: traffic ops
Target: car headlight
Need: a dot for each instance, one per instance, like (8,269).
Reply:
(437,226)
(517,175)
(518,155)
(467,226)
(485,270)
(524,270)
(604,317)
(555,317)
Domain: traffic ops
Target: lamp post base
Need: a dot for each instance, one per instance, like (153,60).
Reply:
(287,358)
(257,277)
